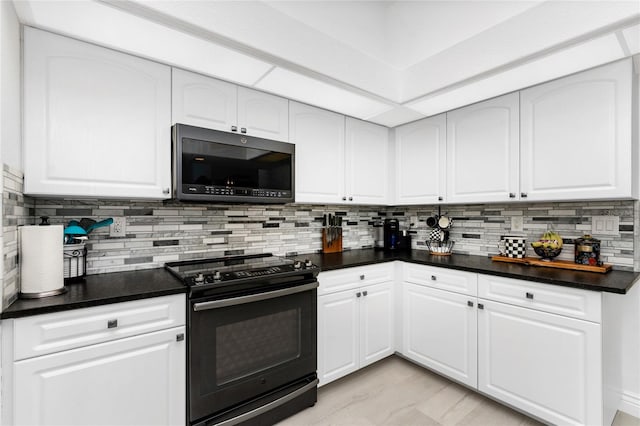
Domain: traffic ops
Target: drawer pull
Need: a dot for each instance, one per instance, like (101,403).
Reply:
(433,278)
(362,277)
(179,337)
(358,294)
(364,293)
(470,303)
(480,306)
(112,323)
(529,295)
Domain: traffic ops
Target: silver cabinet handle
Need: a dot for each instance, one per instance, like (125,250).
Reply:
(480,306)
(179,337)
(350,198)
(344,198)
(529,295)
(433,278)
(523,195)
(470,303)
(112,323)
(364,293)
(203,306)
(166,191)
(358,294)
(440,198)
(512,195)
(362,277)
(234,128)
(243,130)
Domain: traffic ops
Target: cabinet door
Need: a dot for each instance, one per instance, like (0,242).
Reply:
(133,381)
(576,136)
(319,138)
(203,101)
(483,147)
(367,162)
(338,328)
(545,364)
(439,331)
(96,122)
(376,323)
(263,115)
(420,161)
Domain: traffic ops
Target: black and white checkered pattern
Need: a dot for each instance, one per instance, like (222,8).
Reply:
(435,234)
(515,247)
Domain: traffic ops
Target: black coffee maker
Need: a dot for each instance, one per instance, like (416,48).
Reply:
(391,234)
(394,238)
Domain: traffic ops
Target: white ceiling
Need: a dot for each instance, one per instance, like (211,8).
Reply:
(385,61)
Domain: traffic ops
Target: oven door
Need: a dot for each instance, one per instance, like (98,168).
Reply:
(246,346)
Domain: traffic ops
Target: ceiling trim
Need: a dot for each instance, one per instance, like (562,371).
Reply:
(153,15)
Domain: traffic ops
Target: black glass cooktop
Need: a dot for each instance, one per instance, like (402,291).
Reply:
(234,268)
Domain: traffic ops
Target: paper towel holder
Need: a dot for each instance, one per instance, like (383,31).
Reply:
(46,239)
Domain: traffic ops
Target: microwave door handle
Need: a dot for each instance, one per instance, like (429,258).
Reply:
(214,304)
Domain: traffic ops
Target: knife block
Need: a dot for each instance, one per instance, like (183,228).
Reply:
(332,239)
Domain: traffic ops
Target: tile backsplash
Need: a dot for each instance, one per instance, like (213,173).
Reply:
(477,229)
(158,232)
(17,210)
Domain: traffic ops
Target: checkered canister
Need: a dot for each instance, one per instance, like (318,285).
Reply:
(515,247)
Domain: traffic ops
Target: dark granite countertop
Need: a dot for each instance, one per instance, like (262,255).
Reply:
(613,281)
(117,287)
(101,289)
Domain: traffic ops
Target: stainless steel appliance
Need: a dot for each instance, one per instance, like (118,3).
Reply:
(214,166)
(252,338)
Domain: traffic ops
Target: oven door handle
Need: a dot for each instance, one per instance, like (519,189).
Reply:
(214,304)
(270,406)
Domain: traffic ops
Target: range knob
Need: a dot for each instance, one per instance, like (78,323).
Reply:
(217,275)
(307,263)
(199,279)
(297,264)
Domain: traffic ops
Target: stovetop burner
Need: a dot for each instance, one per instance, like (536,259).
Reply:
(234,268)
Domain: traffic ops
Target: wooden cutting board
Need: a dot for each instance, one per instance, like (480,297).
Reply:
(561,264)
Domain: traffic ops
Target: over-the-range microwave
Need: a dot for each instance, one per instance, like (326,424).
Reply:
(214,166)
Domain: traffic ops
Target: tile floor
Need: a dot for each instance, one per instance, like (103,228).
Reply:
(397,392)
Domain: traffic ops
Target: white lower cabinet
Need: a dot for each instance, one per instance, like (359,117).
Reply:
(129,377)
(355,329)
(138,380)
(439,330)
(545,364)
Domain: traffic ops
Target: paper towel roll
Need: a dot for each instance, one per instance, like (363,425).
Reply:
(41,268)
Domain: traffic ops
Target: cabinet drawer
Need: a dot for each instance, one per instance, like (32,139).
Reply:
(571,302)
(442,278)
(358,276)
(45,334)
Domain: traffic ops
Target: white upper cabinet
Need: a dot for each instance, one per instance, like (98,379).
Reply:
(319,138)
(338,162)
(263,115)
(367,162)
(97,123)
(203,101)
(420,161)
(483,143)
(576,136)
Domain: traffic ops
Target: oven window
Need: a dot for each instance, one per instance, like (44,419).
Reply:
(257,344)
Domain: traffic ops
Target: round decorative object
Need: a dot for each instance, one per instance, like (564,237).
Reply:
(444,222)
(435,234)
(547,253)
